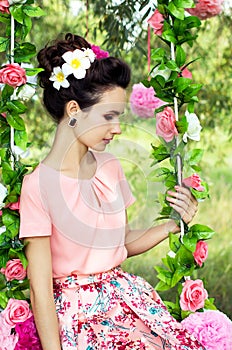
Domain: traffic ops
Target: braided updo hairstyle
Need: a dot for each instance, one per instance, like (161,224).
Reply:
(102,75)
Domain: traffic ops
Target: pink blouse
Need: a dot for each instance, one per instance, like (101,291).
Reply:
(85,218)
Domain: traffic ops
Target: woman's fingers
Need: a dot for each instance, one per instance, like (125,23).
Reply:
(183,202)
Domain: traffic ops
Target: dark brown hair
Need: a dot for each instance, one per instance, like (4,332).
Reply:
(102,75)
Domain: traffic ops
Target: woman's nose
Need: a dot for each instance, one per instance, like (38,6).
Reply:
(116,129)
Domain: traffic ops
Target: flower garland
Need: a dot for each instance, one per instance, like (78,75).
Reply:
(176,125)
(17,328)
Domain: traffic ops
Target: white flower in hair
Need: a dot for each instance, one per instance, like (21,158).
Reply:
(59,78)
(76,63)
(89,53)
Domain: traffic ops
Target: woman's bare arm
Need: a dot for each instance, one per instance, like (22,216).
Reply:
(139,241)
(41,291)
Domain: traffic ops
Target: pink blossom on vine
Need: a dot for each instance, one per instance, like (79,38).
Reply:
(143,101)
(193,181)
(185,73)
(165,124)
(212,328)
(13,74)
(156,22)
(14,270)
(16,311)
(4,6)
(193,295)
(13,205)
(201,252)
(206,8)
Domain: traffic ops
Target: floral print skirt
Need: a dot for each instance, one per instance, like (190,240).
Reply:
(115,310)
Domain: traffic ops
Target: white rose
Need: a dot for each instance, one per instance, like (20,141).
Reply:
(12,2)
(171,254)
(165,73)
(26,92)
(20,152)
(2,229)
(3,193)
(194,127)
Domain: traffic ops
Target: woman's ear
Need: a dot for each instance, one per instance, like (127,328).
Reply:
(72,108)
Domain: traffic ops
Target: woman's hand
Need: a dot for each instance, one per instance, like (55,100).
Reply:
(183,202)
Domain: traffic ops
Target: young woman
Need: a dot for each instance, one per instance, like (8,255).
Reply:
(73,217)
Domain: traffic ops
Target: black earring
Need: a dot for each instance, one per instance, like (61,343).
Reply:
(72,122)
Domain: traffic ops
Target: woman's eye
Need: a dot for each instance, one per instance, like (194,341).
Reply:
(108,116)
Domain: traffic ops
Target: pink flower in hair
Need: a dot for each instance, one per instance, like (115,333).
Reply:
(99,52)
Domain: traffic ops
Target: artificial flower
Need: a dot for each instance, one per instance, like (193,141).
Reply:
(185,73)
(165,73)
(212,328)
(99,52)
(28,336)
(193,295)
(16,311)
(59,78)
(14,270)
(143,101)
(26,92)
(206,8)
(13,74)
(156,22)
(13,205)
(4,6)
(76,63)
(13,2)
(193,181)
(20,152)
(194,127)
(165,124)
(201,252)
(90,54)
(3,193)
(2,229)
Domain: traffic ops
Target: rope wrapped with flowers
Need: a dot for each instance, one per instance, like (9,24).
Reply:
(176,23)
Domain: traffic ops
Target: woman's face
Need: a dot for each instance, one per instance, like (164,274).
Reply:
(97,126)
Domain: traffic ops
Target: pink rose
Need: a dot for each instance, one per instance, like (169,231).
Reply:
(185,73)
(14,205)
(99,52)
(156,22)
(206,8)
(143,101)
(193,295)
(14,270)
(201,252)
(16,311)
(4,6)
(165,124)
(193,181)
(13,74)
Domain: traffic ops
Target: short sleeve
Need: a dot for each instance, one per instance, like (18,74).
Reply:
(128,197)
(34,218)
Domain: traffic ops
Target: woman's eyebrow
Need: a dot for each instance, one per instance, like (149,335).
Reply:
(115,112)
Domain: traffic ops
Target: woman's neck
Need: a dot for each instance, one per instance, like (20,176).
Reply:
(66,152)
